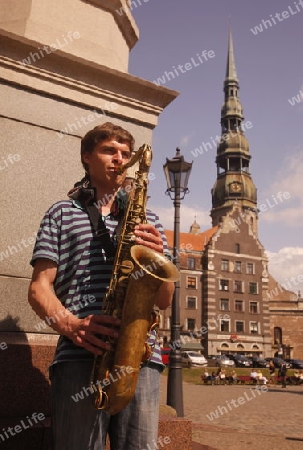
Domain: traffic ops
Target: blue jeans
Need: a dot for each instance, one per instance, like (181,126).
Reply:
(76,425)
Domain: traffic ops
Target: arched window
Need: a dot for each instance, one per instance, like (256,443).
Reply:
(225,345)
(278,335)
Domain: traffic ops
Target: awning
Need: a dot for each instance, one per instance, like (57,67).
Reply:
(240,350)
(192,346)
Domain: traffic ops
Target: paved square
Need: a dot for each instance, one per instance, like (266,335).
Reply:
(241,417)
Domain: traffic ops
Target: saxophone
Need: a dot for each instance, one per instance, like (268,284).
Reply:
(137,274)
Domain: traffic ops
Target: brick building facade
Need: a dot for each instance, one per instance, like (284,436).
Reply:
(228,301)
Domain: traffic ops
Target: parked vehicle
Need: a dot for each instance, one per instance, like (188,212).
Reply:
(221,361)
(165,352)
(259,362)
(240,360)
(295,363)
(190,359)
(278,361)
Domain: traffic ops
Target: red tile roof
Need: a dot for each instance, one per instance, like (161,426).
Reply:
(189,241)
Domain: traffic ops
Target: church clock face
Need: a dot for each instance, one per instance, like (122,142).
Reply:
(235,187)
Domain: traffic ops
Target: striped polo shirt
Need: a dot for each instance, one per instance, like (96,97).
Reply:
(66,237)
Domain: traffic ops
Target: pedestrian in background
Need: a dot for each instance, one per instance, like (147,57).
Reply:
(272,372)
(282,374)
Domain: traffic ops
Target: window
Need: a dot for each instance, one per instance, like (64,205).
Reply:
(191,324)
(253,287)
(191,302)
(278,335)
(253,327)
(250,268)
(224,325)
(253,307)
(238,286)
(239,326)
(237,248)
(237,267)
(191,263)
(239,305)
(224,304)
(224,285)
(191,283)
(224,265)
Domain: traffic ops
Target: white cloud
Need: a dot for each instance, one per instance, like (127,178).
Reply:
(185,140)
(286,266)
(288,182)
(300,105)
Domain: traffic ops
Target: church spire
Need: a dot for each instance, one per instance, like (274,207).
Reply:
(234,183)
(231,72)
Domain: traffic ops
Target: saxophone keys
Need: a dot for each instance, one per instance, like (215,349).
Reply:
(127,266)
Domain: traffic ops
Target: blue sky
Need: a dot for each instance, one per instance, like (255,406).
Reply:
(270,70)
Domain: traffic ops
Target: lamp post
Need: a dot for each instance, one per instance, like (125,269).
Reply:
(177,173)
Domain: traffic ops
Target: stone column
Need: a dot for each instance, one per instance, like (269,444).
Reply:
(63,70)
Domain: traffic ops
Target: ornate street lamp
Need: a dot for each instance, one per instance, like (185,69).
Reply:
(177,173)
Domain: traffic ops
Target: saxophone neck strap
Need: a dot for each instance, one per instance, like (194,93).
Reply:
(100,228)
(86,196)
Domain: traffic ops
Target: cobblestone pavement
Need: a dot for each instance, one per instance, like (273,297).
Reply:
(244,417)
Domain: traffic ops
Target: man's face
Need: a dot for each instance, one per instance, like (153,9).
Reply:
(103,162)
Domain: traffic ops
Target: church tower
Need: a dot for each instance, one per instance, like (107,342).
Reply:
(234,183)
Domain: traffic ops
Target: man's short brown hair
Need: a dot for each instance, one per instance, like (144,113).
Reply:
(102,133)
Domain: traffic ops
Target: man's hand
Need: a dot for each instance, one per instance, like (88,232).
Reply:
(147,235)
(87,332)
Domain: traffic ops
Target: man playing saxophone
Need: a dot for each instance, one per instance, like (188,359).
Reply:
(71,264)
